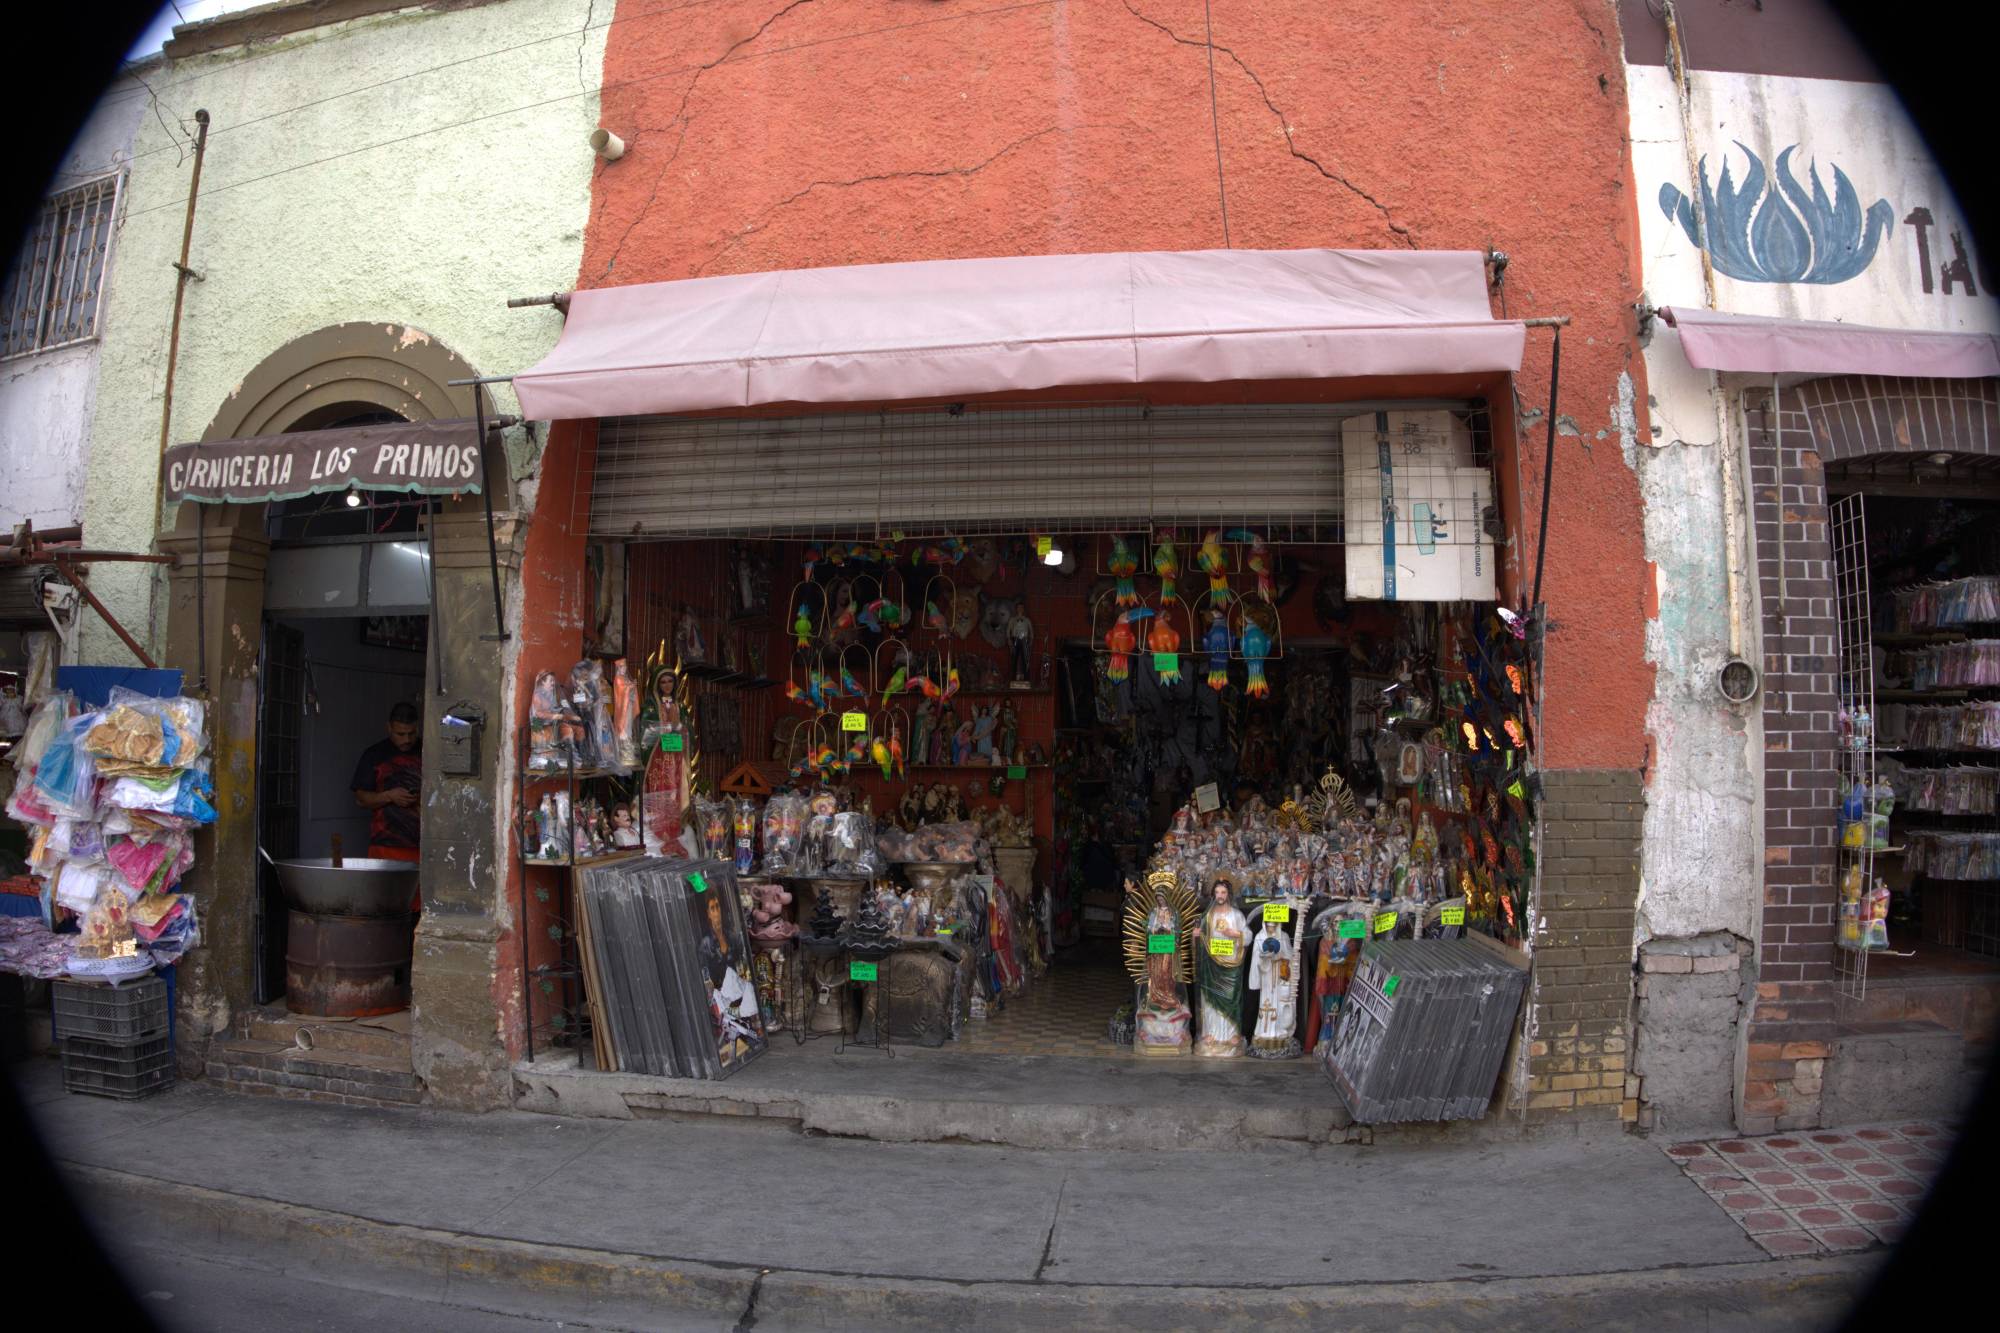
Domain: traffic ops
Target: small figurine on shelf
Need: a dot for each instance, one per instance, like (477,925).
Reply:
(1010,731)
(982,734)
(689,641)
(1020,640)
(625,715)
(545,712)
(624,833)
(1216,643)
(961,743)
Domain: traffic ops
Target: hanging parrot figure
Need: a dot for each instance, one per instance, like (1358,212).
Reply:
(803,626)
(933,618)
(880,753)
(816,684)
(1167,564)
(1124,564)
(950,683)
(794,693)
(925,686)
(849,685)
(1122,640)
(857,751)
(1213,560)
(845,620)
(1166,639)
(1215,641)
(1256,647)
(895,750)
(1259,561)
(894,615)
(813,556)
(897,681)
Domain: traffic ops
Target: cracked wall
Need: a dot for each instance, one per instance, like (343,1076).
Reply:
(766,135)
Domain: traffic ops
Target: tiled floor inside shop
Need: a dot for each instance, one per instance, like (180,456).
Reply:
(1815,1192)
(1065,1011)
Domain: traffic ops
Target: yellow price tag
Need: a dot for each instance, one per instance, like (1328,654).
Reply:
(1043,545)
(1277,911)
(854,721)
(1221,948)
(1452,916)
(1385,922)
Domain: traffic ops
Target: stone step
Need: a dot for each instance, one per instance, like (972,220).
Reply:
(248,1063)
(364,1037)
(1894,1069)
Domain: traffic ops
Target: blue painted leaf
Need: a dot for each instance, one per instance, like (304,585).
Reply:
(1784,252)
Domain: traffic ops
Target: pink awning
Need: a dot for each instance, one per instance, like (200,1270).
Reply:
(1758,344)
(961,327)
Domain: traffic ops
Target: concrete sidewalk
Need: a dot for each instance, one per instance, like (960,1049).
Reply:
(659,1223)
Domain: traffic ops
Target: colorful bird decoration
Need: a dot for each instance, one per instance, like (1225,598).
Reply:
(1213,560)
(1256,647)
(933,618)
(896,682)
(1165,639)
(1123,640)
(794,693)
(813,556)
(802,627)
(927,687)
(950,683)
(1167,564)
(1124,564)
(817,688)
(848,684)
(857,753)
(880,752)
(895,750)
(1259,561)
(1215,641)
(844,620)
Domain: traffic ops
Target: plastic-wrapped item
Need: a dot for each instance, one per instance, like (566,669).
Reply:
(712,820)
(186,796)
(853,845)
(66,777)
(545,714)
(44,724)
(784,833)
(625,715)
(1875,929)
(743,829)
(590,701)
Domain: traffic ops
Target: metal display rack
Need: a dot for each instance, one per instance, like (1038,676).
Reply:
(1855,761)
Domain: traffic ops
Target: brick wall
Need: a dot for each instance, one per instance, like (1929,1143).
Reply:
(1581,987)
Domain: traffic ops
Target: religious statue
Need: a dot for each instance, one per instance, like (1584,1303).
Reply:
(1274,976)
(1157,927)
(1020,640)
(947,730)
(1221,940)
(961,743)
(1010,731)
(921,731)
(982,734)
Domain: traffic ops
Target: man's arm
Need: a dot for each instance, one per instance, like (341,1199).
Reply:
(375,800)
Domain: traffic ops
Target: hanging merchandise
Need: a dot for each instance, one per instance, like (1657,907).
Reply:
(1212,559)
(1216,641)
(1167,565)
(1965,601)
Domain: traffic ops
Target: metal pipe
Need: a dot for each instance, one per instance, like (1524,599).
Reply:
(1548,470)
(70,572)
(181,275)
(46,556)
(486,494)
(436,634)
(1547,322)
(560,300)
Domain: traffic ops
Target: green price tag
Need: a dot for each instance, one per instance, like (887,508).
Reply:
(673,742)
(1452,916)
(1385,922)
(1354,930)
(698,881)
(1043,545)
(1515,789)
(1016,773)
(1221,948)
(854,721)
(1277,911)
(861,971)
(1166,661)
(1162,943)
(1389,986)
(944,931)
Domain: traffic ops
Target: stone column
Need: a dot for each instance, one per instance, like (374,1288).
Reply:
(216,981)
(455,1046)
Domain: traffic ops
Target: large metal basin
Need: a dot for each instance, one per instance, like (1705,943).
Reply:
(358,887)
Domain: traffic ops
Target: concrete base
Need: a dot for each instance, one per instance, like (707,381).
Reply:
(1892,1071)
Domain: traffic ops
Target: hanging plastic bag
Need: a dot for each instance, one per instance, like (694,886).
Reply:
(66,777)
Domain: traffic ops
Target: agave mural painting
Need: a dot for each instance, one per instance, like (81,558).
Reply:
(1773,230)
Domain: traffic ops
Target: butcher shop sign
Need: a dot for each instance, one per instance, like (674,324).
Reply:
(419,457)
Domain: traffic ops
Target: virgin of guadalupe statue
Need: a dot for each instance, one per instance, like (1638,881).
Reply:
(1157,926)
(1221,943)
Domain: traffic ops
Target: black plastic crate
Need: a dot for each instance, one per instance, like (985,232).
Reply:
(135,1011)
(112,1069)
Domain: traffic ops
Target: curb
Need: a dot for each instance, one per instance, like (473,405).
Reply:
(610,1289)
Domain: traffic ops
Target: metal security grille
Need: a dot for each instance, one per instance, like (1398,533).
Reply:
(935,472)
(51,295)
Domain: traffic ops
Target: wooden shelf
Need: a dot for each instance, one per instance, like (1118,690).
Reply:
(978,768)
(580,774)
(621,855)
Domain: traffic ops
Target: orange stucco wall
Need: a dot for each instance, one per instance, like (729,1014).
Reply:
(767,135)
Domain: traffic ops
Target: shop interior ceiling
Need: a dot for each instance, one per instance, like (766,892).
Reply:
(936,472)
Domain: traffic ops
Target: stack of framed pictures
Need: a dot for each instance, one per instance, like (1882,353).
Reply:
(668,967)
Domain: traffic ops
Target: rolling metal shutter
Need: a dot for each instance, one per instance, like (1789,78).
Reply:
(935,472)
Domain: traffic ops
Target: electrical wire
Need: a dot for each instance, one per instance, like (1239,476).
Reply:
(1215,123)
(602,87)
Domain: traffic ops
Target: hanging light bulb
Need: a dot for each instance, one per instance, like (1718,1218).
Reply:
(353,498)
(1054,556)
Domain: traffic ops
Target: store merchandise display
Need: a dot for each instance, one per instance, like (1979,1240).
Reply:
(1947,604)
(1951,665)
(110,798)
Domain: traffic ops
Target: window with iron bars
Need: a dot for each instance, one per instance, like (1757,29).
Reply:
(52,294)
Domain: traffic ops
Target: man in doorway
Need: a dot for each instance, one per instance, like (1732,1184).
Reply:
(386,784)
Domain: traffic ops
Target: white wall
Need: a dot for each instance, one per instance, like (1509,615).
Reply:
(1701,862)
(463,179)
(46,398)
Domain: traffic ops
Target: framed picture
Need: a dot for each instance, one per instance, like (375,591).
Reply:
(604,567)
(407,633)
(749,579)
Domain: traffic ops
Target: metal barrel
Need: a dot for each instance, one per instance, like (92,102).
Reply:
(348,966)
